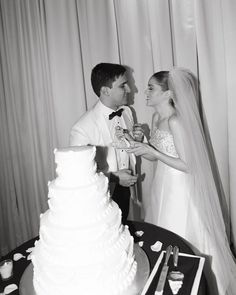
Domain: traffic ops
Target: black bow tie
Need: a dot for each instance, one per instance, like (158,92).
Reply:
(117,113)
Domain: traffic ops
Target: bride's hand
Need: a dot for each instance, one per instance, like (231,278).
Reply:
(141,149)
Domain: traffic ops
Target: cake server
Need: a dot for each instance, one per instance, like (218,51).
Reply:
(175,274)
(175,277)
(164,271)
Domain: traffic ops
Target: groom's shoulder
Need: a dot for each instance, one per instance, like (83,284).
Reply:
(88,118)
(90,113)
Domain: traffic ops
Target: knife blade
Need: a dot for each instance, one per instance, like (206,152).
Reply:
(164,271)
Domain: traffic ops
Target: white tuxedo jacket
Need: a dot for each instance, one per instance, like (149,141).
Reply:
(92,129)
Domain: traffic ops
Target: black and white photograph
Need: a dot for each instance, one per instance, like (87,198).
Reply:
(117,147)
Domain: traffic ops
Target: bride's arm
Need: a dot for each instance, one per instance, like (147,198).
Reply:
(150,153)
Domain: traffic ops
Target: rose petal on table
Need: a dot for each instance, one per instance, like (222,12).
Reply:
(29,250)
(18,256)
(139,233)
(10,288)
(157,246)
(141,243)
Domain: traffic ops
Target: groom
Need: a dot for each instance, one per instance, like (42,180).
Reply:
(98,127)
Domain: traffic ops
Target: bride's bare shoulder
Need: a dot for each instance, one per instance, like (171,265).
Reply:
(174,122)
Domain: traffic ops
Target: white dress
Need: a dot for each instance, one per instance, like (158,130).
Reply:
(170,206)
(169,192)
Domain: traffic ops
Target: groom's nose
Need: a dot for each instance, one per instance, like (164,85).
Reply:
(127,88)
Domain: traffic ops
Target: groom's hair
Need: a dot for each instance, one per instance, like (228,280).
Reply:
(104,74)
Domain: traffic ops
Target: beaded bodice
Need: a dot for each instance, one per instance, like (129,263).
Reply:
(163,141)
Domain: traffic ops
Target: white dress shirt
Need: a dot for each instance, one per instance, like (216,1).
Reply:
(121,155)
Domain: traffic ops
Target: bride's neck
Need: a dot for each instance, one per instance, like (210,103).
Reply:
(164,109)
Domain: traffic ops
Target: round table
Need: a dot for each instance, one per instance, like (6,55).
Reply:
(151,234)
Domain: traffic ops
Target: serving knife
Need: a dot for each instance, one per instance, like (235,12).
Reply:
(164,271)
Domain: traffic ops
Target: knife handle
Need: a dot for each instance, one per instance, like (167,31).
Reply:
(176,255)
(162,279)
(168,252)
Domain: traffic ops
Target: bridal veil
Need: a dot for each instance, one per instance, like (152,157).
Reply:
(210,238)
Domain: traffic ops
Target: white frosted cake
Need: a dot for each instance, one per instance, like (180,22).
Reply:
(83,248)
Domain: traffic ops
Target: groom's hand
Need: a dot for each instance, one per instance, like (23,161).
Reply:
(125,177)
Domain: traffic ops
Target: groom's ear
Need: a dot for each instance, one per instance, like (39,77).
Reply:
(105,91)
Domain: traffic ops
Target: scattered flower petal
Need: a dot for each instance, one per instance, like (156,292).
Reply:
(157,246)
(29,257)
(18,256)
(10,288)
(141,243)
(139,233)
(29,250)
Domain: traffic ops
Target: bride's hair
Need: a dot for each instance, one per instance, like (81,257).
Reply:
(162,79)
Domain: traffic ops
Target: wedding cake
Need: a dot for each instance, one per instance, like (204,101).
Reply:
(83,247)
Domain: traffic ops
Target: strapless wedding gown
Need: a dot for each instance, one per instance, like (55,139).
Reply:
(169,200)
(171,206)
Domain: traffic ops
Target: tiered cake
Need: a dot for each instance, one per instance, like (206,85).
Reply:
(83,248)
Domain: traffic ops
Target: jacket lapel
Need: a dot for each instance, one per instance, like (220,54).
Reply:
(105,138)
(102,125)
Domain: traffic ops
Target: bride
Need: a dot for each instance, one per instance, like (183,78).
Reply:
(183,197)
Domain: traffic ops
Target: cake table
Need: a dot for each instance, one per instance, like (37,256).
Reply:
(151,235)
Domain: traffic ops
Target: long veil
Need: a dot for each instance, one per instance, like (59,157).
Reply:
(205,198)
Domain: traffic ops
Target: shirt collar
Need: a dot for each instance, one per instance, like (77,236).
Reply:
(106,110)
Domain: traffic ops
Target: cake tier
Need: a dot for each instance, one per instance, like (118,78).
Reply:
(79,205)
(104,254)
(75,165)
